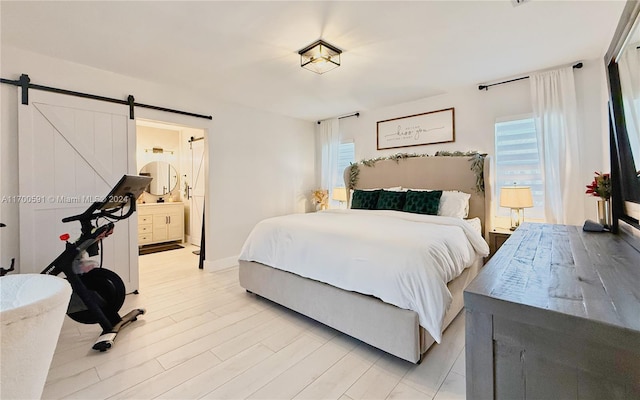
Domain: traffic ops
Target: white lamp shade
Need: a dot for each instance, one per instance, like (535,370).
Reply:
(339,194)
(516,197)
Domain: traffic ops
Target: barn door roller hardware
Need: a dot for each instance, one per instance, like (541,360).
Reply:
(194,139)
(25,84)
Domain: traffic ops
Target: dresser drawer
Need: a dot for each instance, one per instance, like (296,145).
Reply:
(145,219)
(146,228)
(144,238)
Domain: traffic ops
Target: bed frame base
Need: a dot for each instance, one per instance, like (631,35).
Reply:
(366,318)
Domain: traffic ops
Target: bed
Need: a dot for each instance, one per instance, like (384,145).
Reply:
(393,329)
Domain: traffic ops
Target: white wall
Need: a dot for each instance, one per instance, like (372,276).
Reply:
(260,164)
(475,115)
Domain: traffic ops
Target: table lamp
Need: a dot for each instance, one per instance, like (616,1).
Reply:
(517,198)
(339,194)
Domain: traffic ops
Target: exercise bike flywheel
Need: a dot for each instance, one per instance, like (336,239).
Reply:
(108,290)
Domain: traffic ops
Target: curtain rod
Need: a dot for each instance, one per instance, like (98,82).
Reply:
(486,87)
(347,116)
(25,83)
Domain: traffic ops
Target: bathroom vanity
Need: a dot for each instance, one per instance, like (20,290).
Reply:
(160,222)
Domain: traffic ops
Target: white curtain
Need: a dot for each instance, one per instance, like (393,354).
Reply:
(629,68)
(554,108)
(329,144)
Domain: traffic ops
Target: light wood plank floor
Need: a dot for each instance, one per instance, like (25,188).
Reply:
(203,336)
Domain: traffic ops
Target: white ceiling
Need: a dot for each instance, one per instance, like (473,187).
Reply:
(246,52)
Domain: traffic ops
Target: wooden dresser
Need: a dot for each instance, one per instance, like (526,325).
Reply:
(555,314)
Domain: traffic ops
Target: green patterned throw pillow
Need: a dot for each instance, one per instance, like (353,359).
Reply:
(390,200)
(422,202)
(365,199)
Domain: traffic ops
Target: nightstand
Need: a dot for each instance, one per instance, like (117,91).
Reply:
(496,238)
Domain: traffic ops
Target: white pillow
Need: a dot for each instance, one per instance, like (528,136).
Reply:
(454,204)
(476,224)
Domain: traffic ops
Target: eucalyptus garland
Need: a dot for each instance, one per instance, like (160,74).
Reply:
(477,164)
(354,173)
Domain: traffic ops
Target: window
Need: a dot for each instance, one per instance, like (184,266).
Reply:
(346,155)
(517,161)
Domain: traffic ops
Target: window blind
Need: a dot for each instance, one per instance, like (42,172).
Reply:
(517,161)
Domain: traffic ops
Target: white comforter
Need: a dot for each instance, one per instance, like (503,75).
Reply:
(403,259)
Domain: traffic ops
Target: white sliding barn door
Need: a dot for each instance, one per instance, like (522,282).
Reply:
(70,149)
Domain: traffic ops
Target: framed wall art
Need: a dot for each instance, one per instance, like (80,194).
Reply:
(417,130)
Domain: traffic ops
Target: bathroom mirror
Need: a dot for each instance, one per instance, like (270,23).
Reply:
(165,177)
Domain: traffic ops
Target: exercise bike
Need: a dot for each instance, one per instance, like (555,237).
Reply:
(98,293)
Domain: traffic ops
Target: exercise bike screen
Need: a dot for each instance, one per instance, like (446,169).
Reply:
(128,184)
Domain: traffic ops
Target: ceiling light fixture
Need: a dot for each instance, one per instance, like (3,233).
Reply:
(320,57)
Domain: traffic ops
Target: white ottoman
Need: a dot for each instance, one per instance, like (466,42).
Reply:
(32,309)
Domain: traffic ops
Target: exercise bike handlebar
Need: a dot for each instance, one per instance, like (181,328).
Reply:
(95,211)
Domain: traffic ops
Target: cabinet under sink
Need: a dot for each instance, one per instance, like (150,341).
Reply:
(160,222)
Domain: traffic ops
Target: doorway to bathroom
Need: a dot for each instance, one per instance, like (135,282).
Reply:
(171,211)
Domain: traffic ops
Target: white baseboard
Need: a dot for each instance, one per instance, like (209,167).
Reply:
(221,263)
